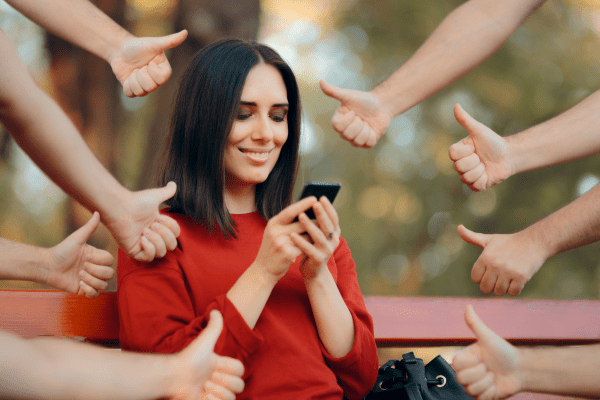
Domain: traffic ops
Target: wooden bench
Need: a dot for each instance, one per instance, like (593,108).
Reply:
(399,321)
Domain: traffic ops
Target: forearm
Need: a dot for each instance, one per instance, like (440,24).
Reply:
(574,225)
(250,293)
(52,368)
(332,317)
(577,373)
(77,21)
(47,135)
(464,39)
(569,136)
(22,262)
(55,145)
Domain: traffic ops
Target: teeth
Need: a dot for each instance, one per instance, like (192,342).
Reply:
(258,156)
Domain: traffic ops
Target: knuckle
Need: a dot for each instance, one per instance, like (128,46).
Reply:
(469,391)
(515,291)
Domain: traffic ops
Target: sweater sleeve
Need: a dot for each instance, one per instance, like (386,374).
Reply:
(357,370)
(157,313)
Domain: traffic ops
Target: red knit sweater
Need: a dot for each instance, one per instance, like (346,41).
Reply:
(164,305)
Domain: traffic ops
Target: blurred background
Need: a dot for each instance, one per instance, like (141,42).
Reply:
(401,201)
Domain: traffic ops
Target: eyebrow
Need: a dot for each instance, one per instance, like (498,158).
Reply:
(253,104)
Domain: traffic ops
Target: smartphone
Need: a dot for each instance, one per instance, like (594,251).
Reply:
(318,189)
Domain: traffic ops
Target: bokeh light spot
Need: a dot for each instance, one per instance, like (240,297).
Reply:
(375,202)
(586,182)
(482,203)
(393,268)
(408,208)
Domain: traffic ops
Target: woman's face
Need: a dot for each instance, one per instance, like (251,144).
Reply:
(259,130)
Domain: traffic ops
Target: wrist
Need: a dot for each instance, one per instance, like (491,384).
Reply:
(316,277)
(524,369)
(516,163)
(35,268)
(171,383)
(116,44)
(390,104)
(116,203)
(540,246)
(262,276)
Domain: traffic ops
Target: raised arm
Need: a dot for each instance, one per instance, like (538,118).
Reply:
(139,64)
(508,261)
(52,368)
(49,137)
(493,369)
(464,39)
(484,159)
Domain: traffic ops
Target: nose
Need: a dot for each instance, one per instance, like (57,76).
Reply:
(262,129)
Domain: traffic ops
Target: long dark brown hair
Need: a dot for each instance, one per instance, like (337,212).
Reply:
(203,114)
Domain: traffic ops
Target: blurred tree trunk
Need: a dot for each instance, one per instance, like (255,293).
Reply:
(206,21)
(87,90)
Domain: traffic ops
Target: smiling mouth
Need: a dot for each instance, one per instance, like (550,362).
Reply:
(257,156)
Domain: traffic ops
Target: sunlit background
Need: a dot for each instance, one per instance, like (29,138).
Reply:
(401,201)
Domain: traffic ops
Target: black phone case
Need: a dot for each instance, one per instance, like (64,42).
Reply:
(318,189)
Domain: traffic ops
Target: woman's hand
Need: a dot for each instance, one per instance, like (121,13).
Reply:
(332,317)
(278,250)
(323,238)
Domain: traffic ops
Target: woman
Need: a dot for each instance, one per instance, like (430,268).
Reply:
(292,309)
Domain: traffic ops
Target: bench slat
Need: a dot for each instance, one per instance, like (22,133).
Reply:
(439,321)
(399,321)
(31,313)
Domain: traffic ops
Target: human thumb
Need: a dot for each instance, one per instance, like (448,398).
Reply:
(467,122)
(170,41)
(334,91)
(165,193)
(477,239)
(83,234)
(209,336)
(476,325)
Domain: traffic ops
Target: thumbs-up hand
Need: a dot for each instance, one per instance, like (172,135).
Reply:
(139,228)
(482,159)
(77,267)
(361,118)
(507,262)
(488,369)
(141,65)
(201,373)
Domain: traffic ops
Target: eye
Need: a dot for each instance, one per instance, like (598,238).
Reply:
(244,113)
(279,115)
